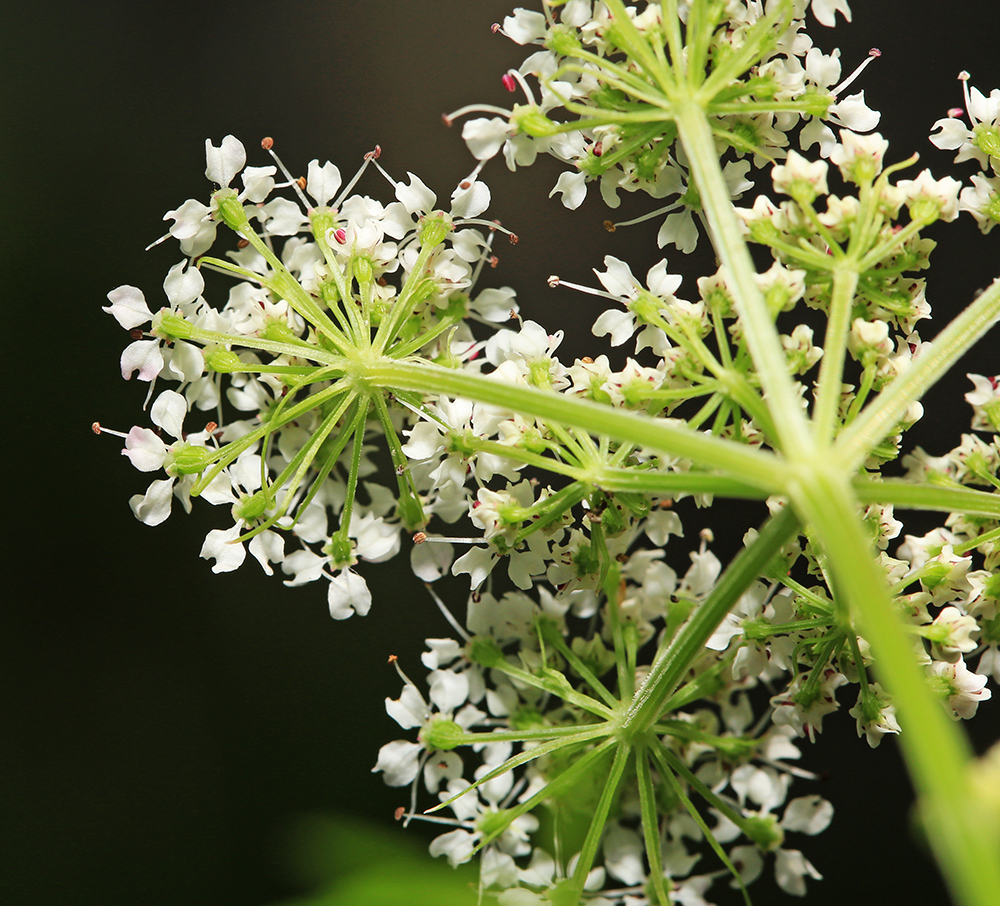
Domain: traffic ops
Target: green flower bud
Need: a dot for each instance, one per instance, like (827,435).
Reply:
(340,550)
(442,734)
(229,209)
(223,361)
(434,229)
(279,332)
(187,459)
(765,831)
(171,326)
(531,121)
(485,652)
(251,507)
(562,41)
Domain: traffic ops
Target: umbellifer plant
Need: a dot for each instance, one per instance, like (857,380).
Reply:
(600,725)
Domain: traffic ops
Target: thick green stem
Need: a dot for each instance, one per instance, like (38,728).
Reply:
(672,663)
(747,465)
(961,833)
(758,325)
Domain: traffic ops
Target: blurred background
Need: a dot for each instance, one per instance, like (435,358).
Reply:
(172,736)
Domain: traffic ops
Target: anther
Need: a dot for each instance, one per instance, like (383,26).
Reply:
(374,154)
(508,82)
(97,428)
(610,226)
(399,812)
(553,281)
(513,238)
(419,537)
(242,243)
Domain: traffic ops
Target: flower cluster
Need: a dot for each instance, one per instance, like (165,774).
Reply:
(758,73)
(322,282)
(652,715)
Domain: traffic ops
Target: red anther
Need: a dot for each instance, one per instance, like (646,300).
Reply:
(598,149)
(464,184)
(399,812)
(609,226)
(135,333)
(446,119)
(513,239)
(874,52)
(374,154)
(494,261)
(242,243)
(508,82)
(955,112)
(419,537)
(340,234)
(495,27)
(96,427)
(267,143)
(211,427)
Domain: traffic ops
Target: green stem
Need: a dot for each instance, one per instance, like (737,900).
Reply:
(754,467)
(884,413)
(672,662)
(762,338)
(831,368)
(911,495)
(961,832)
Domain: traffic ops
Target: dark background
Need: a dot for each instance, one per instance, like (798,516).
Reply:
(165,727)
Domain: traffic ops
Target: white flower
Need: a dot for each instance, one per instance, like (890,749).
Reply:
(962,689)
(982,141)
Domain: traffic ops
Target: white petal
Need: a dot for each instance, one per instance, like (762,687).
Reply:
(146,451)
(224,162)
(183,284)
(573,188)
(221,545)
(322,183)
(153,507)
(470,201)
(168,411)
(399,761)
(448,690)
(415,196)
(348,594)
(143,356)
(128,307)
